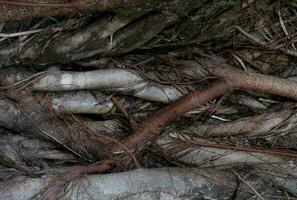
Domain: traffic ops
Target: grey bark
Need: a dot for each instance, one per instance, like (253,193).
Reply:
(33,120)
(154,184)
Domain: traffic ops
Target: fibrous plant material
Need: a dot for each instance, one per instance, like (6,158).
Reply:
(273,123)
(194,151)
(118,36)
(231,79)
(118,66)
(26,9)
(43,124)
(21,155)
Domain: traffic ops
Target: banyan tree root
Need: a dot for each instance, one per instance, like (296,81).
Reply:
(130,82)
(271,123)
(31,156)
(110,34)
(153,124)
(29,9)
(231,79)
(28,156)
(31,119)
(274,129)
(83,102)
(280,169)
(166,183)
(113,79)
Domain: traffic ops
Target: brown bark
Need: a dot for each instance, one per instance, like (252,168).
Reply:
(232,79)
(152,125)
(253,81)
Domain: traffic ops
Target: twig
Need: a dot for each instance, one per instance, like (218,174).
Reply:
(249,185)
(204,143)
(105,139)
(23,81)
(122,110)
(48,135)
(282,24)
(250,36)
(71,3)
(10,35)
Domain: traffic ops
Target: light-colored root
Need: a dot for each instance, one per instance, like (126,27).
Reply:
(209,156)
(280,170)
(33,120)
(275,123)
(153,184)
(21,155)
(114,79)
(83,102)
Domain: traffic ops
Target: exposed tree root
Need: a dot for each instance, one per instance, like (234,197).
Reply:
(114,79)
(154,123)
(141,184)
(56,128)
(241,80)
(232,79)
(31,119)
(83,102)
(274,123)
(201,152)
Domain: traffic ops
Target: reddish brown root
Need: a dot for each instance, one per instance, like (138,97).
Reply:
(152,125)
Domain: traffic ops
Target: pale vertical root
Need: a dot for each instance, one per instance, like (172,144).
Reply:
(164,183)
